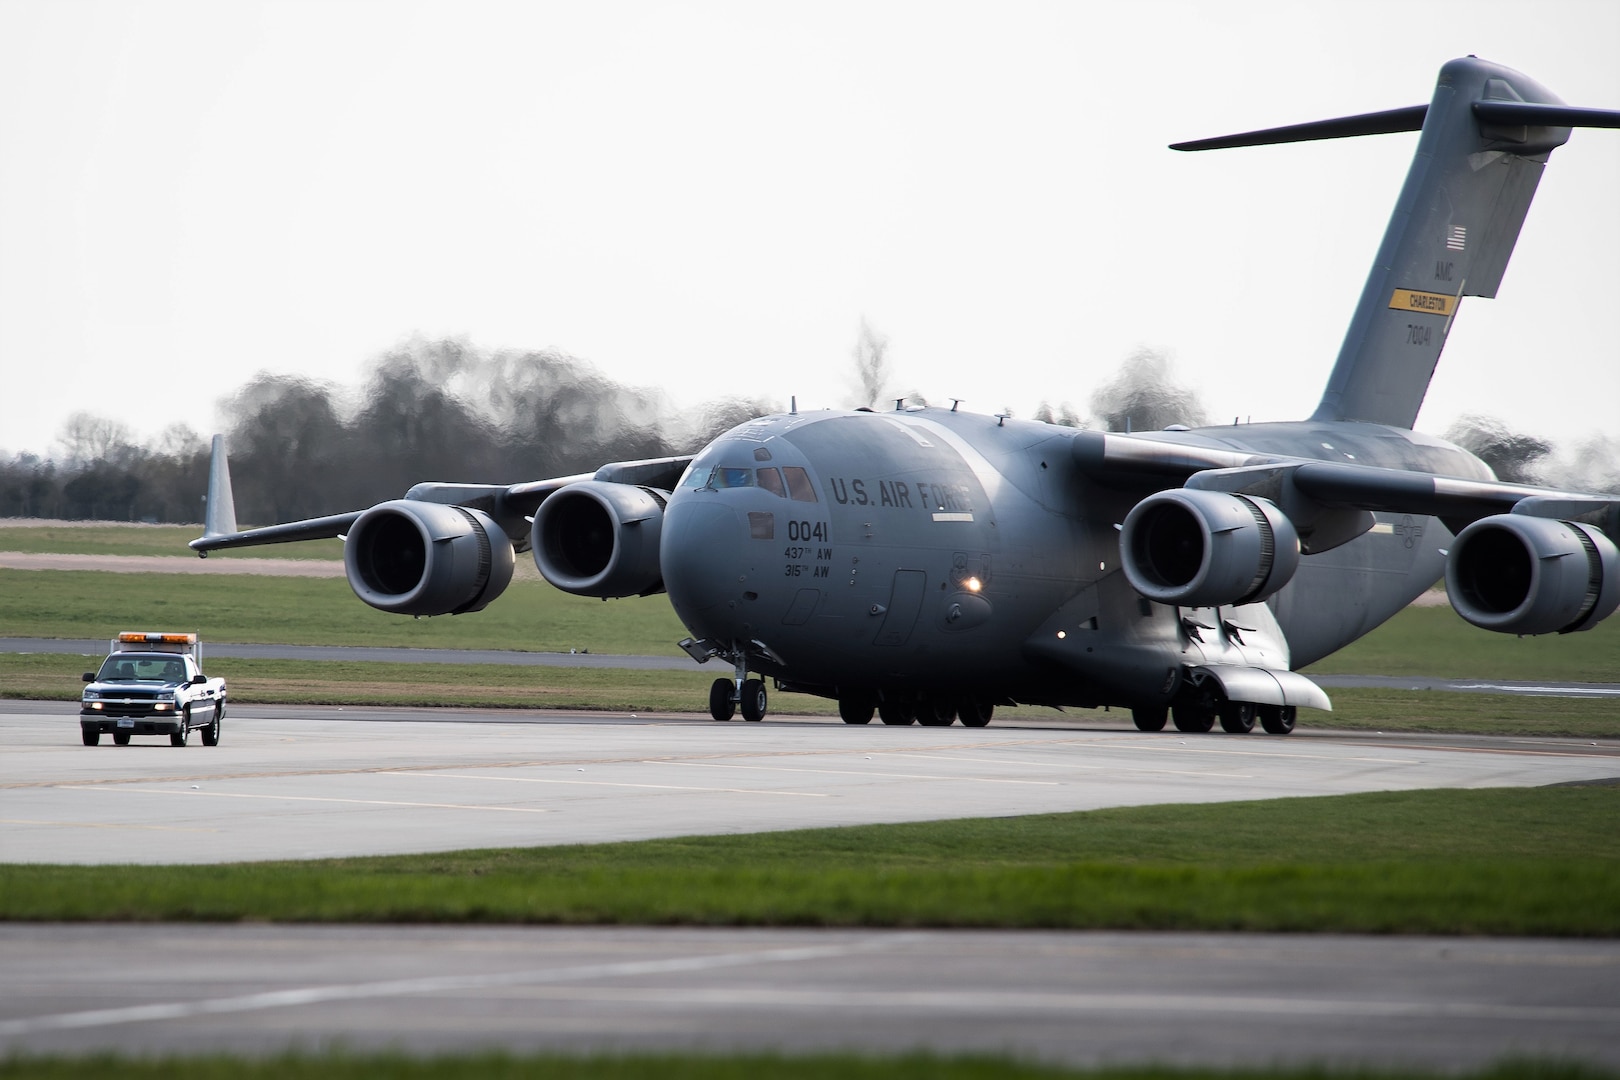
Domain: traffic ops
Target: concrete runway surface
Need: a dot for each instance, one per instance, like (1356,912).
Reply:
(1083,998)
(298,783)
(303,782)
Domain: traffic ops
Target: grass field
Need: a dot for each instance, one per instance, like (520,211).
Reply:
(104,538)
(50,677)
(1540,861)
(351,1066)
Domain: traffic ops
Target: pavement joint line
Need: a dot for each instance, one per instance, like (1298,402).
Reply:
(319,799)
(315,995)
(620,784)
(866,775)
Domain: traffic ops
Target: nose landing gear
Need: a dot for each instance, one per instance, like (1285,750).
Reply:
(739,691)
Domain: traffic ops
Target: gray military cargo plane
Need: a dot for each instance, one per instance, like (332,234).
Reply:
(929,564)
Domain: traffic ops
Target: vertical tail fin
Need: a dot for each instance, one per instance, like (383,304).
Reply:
(1486,137)
(220,517)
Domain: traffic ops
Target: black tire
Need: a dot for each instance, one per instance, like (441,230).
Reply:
(721,707)
(753,700)
(121,738)
(854,710)
(91,738)
(179,738)
(1278,719)
(975,712)
(897,713)
(937,712)
(1237,717)
(210,734)
(1150,719)
(1193,718)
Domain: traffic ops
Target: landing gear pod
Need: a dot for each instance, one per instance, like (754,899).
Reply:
(1206,548)
(599,539)
(1527,575)
(419,558)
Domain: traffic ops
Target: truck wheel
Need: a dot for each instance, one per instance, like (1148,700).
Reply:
(210,733)
(178,738)
(91,738)
(121,738)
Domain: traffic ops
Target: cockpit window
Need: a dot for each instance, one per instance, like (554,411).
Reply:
(798,484)
(771,481)
(724,477)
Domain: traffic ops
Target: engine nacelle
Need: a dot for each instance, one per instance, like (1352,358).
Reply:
(1527,575)
(1206,548)
(419,558)
(599,539)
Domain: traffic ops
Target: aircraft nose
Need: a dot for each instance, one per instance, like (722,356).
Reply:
(702,558)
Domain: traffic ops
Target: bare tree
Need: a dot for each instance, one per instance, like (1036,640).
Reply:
(871,354)
(1142,397)
(1510,455)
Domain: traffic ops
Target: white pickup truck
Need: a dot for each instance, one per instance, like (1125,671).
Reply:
(152,684)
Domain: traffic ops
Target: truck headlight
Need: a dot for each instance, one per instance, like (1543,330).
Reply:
(162,706)
(91,695)
(94,704)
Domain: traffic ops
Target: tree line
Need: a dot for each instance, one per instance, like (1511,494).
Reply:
(301,448)
(444,410)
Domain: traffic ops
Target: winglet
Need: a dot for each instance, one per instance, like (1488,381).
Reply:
(220,518)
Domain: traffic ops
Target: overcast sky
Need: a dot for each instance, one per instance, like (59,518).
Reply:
(708,197)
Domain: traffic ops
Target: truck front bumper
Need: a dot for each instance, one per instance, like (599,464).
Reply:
(167,724)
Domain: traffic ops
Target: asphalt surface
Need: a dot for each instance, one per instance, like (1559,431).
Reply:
(301,782)
(1082,998)
(98,648)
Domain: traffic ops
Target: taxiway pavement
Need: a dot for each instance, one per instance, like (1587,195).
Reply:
(312,782)
(1083,998)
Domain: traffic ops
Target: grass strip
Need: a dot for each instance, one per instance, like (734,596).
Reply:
(913,1066)
(531,615)
(1540,861)
(48,677)
(106,538)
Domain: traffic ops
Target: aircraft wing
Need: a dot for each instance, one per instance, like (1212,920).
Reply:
(511,506)
(1304,485)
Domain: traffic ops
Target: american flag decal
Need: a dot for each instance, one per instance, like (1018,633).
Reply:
(1457,240)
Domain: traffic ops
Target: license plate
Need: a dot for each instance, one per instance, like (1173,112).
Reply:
(125,721)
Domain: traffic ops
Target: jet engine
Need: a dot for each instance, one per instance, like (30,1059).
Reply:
(1206,548)
(1527,575)
(420,558)
(594,538)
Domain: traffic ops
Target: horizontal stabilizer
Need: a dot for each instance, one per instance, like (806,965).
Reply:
(1345,127)
(1534,113)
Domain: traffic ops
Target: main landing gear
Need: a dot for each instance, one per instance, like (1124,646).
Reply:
(940,710)
(1200,715)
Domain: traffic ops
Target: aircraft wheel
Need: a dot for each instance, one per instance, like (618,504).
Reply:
(897,713)
(1196,718)
(210,734)
(1237,717)
(1278,719)
(937,712)
(975,711)
(856,710)
(721,707)
(1150,719)
(121,738)
(178,738)
(753,700)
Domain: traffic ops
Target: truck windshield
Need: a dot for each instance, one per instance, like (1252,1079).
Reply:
(127,667)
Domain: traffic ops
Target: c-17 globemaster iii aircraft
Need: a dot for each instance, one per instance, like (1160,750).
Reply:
(930,564)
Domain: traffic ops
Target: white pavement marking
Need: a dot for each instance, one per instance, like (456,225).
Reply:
(436,984)
(302,798)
